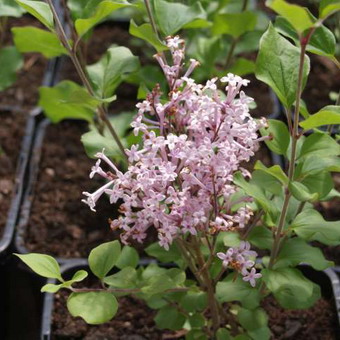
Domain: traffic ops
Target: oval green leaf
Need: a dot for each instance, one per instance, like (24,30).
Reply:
(43,265)
(94,307)
(103,258)
(40,10)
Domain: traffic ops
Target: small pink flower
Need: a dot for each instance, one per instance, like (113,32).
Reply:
(252,276)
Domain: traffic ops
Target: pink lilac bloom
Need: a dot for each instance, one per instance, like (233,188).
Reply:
(241,258)
(180,178)
(252,276)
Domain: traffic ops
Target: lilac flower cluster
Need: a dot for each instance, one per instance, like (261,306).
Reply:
(239,258)
(180,180)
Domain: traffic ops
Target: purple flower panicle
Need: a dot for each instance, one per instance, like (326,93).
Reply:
(180,179)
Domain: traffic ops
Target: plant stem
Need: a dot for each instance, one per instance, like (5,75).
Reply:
(245,5)
(230,53)
(277,238)
(101,110)
(3,23)
(151,17)
(208,282)
(235,40)
(257,218)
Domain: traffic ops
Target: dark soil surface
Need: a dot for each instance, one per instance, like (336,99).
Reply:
(316,323)
(24,92)
(260,92)
(60,224)
(11,132)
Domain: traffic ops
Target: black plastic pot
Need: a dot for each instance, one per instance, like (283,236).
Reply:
(22,163)
(327,279)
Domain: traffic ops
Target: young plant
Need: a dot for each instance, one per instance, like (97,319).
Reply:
(185,180)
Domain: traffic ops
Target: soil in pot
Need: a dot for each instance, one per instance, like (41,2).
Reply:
(60,224)
(316,323)
(134,321)
(15,103)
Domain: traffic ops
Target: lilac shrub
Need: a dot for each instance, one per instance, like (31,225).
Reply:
(184,180)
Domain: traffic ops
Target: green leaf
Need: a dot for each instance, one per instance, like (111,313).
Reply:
(9,8)
(51,288)
(261,237)
(311,166)
(267,182)
(128,258)
(104,9)
(103,258)
(231,239)
(171,255)
(234,24)
(328,7)
(109,71)
(280,136)
(197,321)
(94,307)
(322,42)
(275,171)
(252,319)
(319,144)
(255,192)
(79,275)
(311,226)
(32,39)
(277,65)
(43,265)
(39,10)
(197,334)
(169,318)
(326,116)
(296,251)
(146,33)
(237,290)
(301,192)
(13,60)
(57,102)
(126,278)
(297,16)
(242,67)
(172,16)
(223,334)
(262,333)
(290,288)
(321,183)
(157,284)
(194,301)
(95,142)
